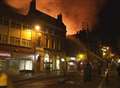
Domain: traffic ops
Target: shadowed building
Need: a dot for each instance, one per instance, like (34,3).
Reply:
(32,42)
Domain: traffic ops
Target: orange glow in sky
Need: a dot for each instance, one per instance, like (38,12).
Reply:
(74,12)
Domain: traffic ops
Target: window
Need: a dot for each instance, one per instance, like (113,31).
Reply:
(15,24)
(14,41)
(59,45)
(3,39)
(26,43)
(46,43)
(53,44)
(1,20)
(25,65)
(4,20)
(38,41)
(26,26)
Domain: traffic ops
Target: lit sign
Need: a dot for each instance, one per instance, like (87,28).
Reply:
(71,63)
(5,54)
(62,59)
(72,58)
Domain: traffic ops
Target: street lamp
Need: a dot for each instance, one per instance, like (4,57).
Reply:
(81,56)
(37,43)
(37,28)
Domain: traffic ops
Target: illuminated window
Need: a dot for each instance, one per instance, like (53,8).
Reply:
(57,64)
(26,43)
(25,65)
(46,59)
(71,63)
(72,58)
(26,34)
(62,59)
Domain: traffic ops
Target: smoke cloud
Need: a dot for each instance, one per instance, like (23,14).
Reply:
(74,12)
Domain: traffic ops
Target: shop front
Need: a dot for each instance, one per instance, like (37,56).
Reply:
(17,63)
(72,64)
(4,60)
(53,63)
(48,63)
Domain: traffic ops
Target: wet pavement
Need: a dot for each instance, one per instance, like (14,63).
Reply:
(72,80)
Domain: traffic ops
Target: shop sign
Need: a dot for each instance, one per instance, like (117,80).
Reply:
(5,54)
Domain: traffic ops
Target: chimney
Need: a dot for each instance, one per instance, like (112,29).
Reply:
(59,18)
(32,6)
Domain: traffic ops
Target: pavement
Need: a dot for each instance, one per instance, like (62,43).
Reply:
(69,80)
(28,76)
(19,78)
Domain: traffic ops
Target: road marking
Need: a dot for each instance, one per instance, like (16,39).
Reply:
(104,79)
(101,83)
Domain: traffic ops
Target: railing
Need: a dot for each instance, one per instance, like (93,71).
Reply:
(4,39)
(26,43)
(14,41)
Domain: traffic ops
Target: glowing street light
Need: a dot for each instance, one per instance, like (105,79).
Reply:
(37,28)
(106,52)
(62,59)
(81,56)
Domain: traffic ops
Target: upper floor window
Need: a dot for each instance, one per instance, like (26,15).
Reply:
(15,24)
(14,41)
(4,20)
(38,41)
(26,43)
(3,39)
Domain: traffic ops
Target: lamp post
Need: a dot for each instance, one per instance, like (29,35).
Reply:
(37,43)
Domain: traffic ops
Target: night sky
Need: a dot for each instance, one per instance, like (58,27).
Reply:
(74,12)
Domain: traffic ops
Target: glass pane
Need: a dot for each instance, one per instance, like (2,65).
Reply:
(22,65)
(28,65)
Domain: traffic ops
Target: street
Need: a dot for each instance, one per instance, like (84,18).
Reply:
(71,80)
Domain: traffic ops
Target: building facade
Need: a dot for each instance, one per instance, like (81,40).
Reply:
(32,42)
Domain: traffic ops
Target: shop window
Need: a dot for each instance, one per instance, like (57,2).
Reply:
(25,65)
(13,65)
(47,63)
(3,65)
(57,64)
(46,58)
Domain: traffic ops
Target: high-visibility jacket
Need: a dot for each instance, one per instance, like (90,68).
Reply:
(3,79)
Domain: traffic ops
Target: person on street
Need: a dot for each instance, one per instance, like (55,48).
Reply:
(87,72)
(118,70)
